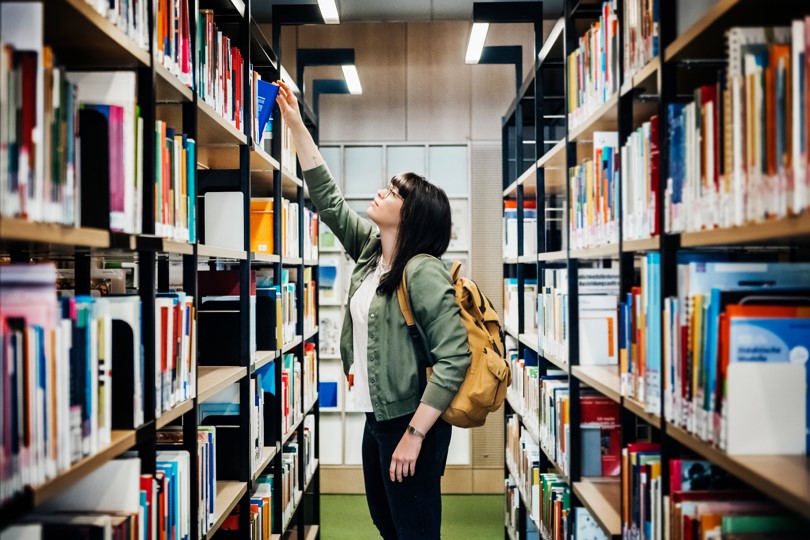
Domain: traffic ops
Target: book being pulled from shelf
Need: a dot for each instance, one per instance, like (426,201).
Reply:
(739,151)
(640,29)
(510,228)
(173,39)
(175,185)
(61,398)
(598,321)
(639,173)
(38,179)
(735,349)
(640,337)
(523,458)
(593,67)
(220,70)
(594,188)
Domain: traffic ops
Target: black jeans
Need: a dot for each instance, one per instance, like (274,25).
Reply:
(412,509)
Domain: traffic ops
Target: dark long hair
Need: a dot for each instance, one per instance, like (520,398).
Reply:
(425,225)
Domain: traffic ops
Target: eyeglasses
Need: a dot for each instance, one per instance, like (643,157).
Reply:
(391,190)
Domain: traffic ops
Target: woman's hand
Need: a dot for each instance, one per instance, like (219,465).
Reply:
(288,104)
(403,462)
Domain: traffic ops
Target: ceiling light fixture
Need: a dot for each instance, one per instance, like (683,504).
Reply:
(478,35)
(352,79)
(329,11)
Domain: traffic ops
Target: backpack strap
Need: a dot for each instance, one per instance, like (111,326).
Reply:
(424,367)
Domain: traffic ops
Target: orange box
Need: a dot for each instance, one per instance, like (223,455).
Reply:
(261,225)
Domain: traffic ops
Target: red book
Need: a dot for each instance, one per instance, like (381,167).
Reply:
(604,412)
(654,181)
(222,283)
(148,487)
(164,330)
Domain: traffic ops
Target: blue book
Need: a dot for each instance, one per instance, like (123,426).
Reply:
(266,99)
(328,394)
(191,186)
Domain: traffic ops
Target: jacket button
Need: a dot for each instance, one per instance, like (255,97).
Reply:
(372,315)
(371,381)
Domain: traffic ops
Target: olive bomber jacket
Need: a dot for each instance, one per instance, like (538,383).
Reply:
(392,360)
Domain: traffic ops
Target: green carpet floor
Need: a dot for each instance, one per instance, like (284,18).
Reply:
(464,517)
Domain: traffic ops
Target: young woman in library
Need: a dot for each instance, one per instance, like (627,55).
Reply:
(405,441)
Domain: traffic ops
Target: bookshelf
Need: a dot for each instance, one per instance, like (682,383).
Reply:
(690,56)
(227,159)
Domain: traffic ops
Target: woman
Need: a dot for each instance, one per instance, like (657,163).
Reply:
(405,441)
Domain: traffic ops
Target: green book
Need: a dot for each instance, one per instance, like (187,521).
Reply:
(763,524)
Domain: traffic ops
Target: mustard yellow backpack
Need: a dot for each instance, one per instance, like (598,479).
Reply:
(484,387)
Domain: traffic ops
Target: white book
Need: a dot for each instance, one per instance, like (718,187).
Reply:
(798,112)
(224,220)
(113,487)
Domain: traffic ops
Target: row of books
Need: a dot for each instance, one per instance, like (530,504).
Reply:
(130,16)
(641,33)
(175,185)
(146,506)
(554,498)
(524,391)
(61,400)
(288,155)
(598,290)
(262,211)
(640,177)
(511,305)
(510,228)
(739,150)
(594,195)
(173,38)
(640,337)
(734,340)
(593,67)
(261,512)
(703,501)
(220,70)
(523,458)
(310,373)
(599,428)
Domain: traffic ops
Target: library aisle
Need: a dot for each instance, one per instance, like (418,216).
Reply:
(628,186)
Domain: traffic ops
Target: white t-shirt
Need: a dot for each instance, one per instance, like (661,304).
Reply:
(360,303)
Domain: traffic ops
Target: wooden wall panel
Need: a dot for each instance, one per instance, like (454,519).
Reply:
(438,98)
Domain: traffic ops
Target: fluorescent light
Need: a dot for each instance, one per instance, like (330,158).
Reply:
(352,79)
(478,35)
(289,80)
(329,11)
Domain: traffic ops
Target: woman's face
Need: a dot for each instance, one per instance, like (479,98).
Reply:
(386,207)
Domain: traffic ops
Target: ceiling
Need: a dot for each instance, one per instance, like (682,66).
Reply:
(398,10)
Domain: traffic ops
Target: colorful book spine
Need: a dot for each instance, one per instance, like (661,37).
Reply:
(173,38)
(175,184)
(639,173)
(640,29)
(220,71)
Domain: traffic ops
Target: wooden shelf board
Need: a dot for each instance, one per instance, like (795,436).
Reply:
(527,259)
(598,252)
(120,441)
(643,244)
(637,408)
(559,362)
(510,260)
(552,256)
(212,379)
(173,414)
(310,262)
(784,478)
(291,345)
(81,36)
(308,481)
(554,158)
(291,178)
(511,191)
(286,437)
(292,261)
(169,89)
(264,257)
(643,78)
(311,334)
(512,332)
(602,497)
(149,242)
(605,379)
(553,164)
(268,453)
(213,129)
(228,495)
(262,358)
(605,118)
(311,532)
(769,231)
(529,340)
(20,230)
(214,252)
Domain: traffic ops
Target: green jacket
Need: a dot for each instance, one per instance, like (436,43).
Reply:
(392,361)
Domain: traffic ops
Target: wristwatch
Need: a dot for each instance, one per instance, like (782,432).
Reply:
(413,431)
